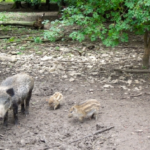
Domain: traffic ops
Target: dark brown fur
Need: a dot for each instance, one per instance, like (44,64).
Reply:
(38,23)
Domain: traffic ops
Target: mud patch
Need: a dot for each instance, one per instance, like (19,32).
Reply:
(45,128)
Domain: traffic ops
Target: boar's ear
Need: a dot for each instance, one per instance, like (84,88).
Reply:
(10,92)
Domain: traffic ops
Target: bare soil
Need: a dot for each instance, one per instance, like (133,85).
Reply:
(127,110)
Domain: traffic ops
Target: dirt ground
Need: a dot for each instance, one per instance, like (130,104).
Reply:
(124,106)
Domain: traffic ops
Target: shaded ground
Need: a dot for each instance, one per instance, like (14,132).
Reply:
(25,8)
(81,71)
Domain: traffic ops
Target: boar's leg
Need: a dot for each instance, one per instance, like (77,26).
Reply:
(15,111)
(81,119)
(6,119)
(94,116)
(22,108)
(27,101)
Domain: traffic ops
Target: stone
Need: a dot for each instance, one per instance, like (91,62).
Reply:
(71,79)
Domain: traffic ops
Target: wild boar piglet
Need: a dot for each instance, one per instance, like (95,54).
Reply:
(86,109)
(55,100)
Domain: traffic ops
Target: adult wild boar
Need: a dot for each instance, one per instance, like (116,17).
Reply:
(15,90)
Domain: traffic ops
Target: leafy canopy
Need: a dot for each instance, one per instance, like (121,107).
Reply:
(108,20)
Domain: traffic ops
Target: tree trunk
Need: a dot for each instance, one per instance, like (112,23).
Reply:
(16,5)
(48,4)
(146,49)
(29,4)
(61,5)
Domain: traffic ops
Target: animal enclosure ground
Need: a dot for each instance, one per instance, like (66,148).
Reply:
(80,71)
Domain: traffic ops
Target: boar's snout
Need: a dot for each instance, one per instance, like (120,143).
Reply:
(70,115)
(1,116)
(2,112)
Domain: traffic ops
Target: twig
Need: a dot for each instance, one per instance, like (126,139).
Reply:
(136,95)
(95,133)
(147,93)
(133,71)
(1,135)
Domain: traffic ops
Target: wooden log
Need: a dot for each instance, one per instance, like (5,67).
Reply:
(17,23)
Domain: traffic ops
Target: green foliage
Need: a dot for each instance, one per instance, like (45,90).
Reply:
(38,2)
(77,36)
(33,2)
(12,39)
(52,33)
(37,40)
(108,20)
(57,48)
(3,16)
(68,2)
(144,67)
(22,48)
(19,53)
(45,22)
